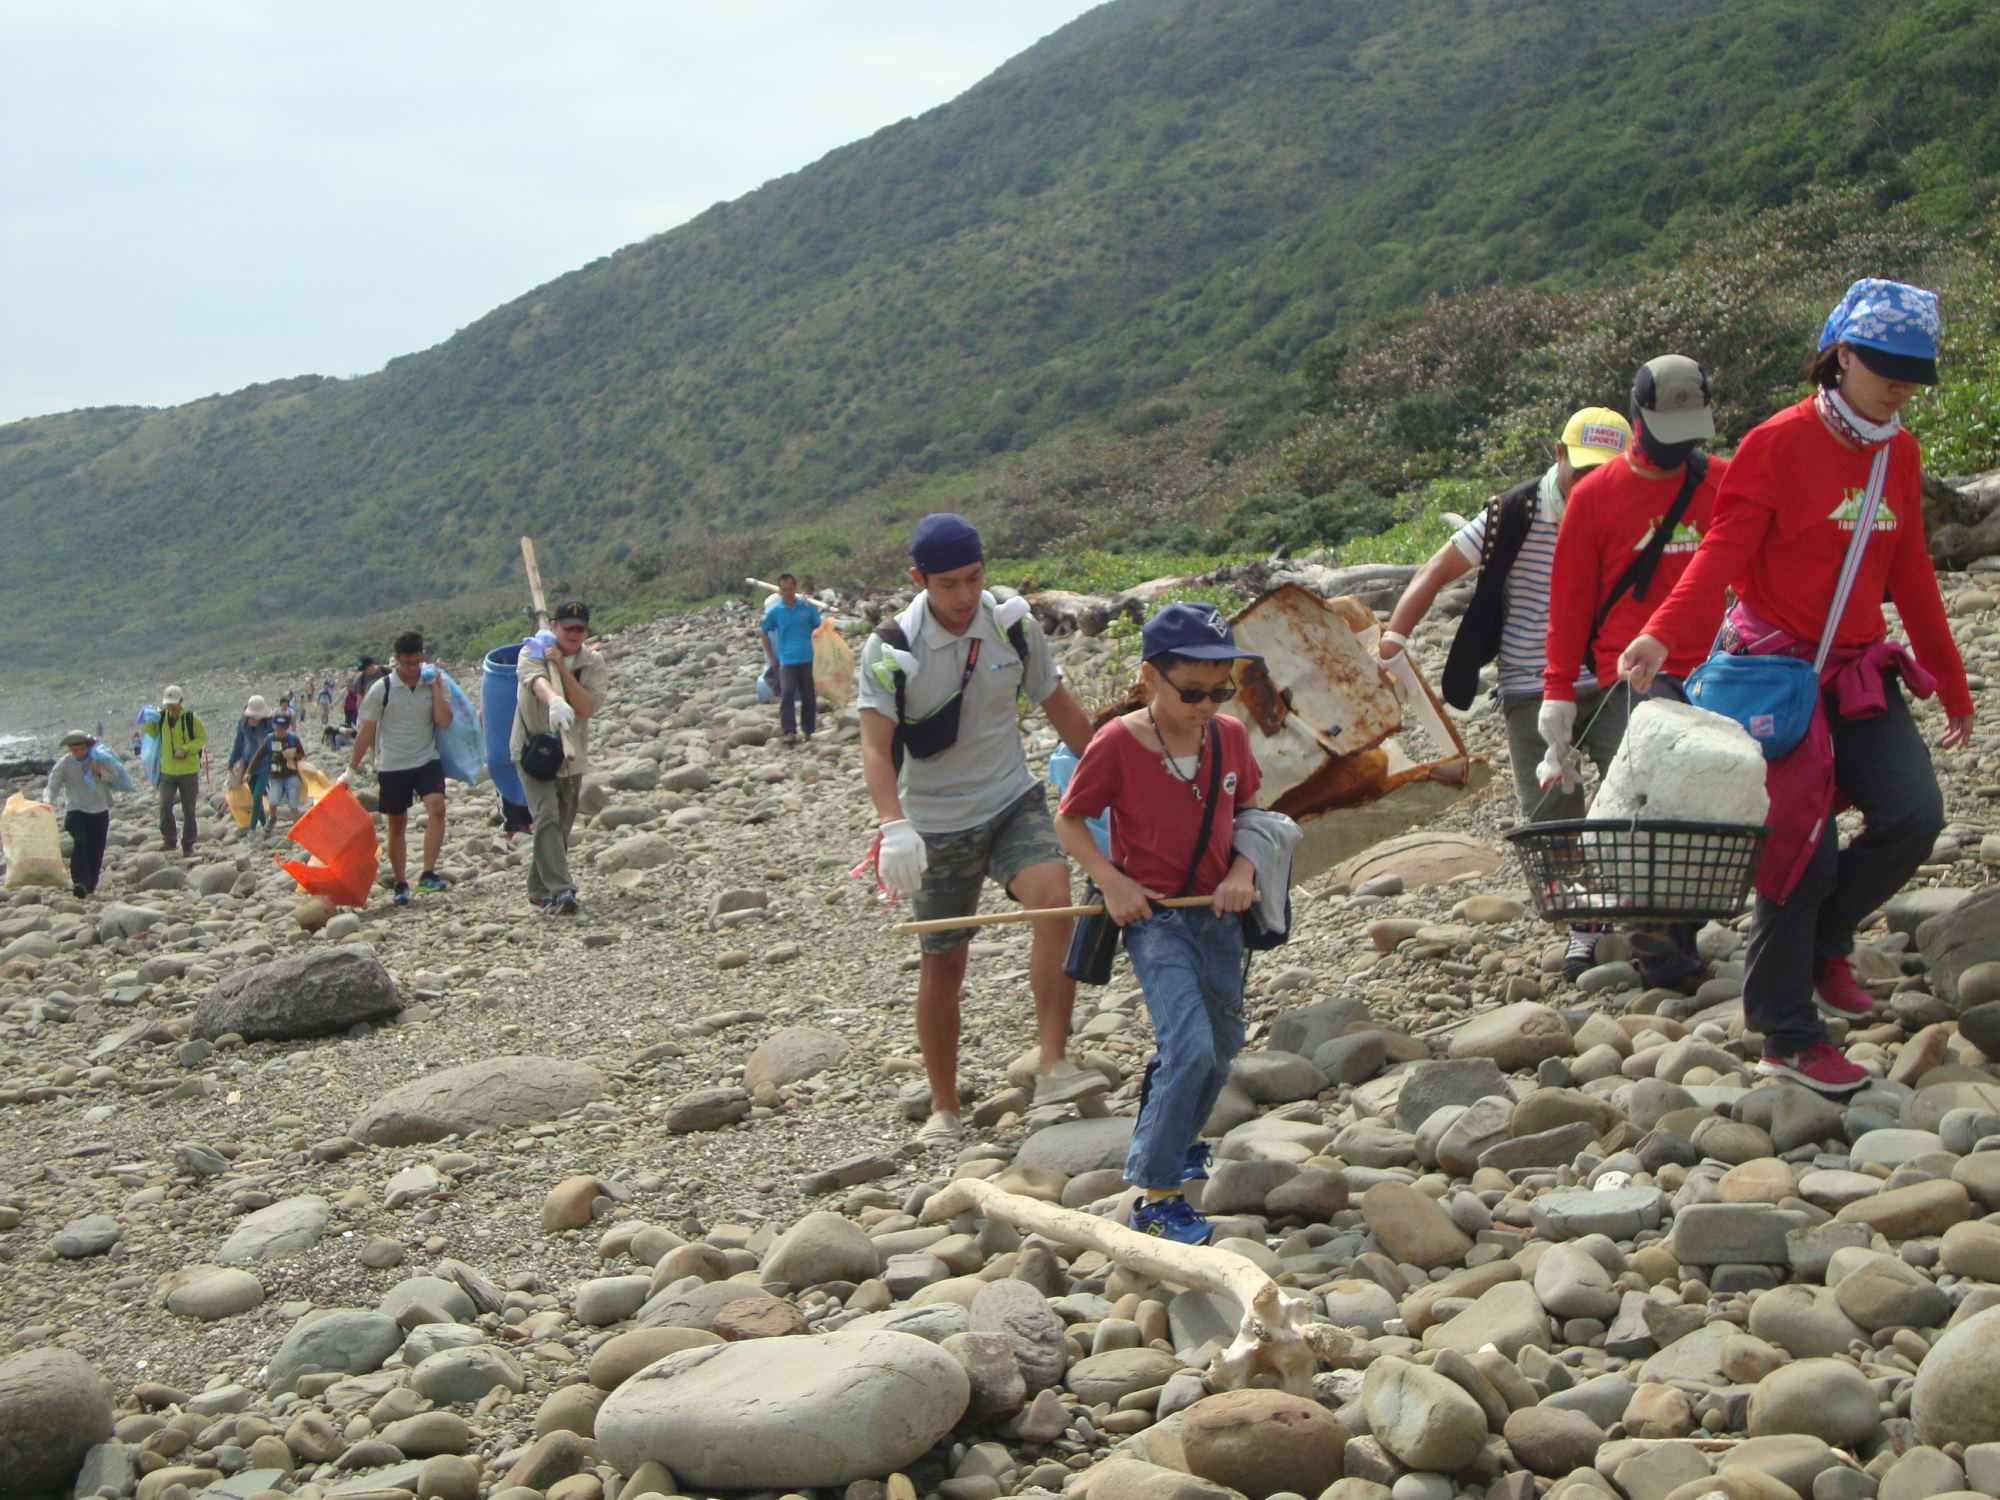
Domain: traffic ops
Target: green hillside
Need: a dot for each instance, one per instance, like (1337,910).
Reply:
(1138,235)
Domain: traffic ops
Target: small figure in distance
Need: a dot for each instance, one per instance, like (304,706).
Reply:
(246,756)
(1513,544)
(400,717)
(88,779)
(787,632)
(182,737)
(560,683)
(279,761)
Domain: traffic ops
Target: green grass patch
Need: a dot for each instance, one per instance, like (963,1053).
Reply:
(1413,541)
(1090,571)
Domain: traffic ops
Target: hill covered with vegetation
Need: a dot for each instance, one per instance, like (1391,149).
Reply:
(1182,265)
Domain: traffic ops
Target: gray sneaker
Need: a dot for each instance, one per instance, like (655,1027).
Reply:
(1066,1082)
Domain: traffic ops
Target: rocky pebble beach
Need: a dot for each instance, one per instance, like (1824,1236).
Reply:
(463,1202)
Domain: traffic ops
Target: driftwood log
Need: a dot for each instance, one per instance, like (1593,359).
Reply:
(1279,1344)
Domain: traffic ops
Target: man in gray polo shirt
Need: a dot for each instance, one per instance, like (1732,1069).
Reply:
(400,716)
(962,805)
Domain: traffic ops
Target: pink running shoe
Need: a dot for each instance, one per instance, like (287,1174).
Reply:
(1839,994)
(1821,1067)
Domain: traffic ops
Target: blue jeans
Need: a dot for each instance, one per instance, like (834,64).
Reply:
(1190,963)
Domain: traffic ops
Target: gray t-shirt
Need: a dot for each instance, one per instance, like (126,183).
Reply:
(407,734)
(985,769)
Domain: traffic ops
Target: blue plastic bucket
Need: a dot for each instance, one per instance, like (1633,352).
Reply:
(496,700)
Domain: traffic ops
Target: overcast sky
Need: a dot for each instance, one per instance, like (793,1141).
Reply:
(199,194)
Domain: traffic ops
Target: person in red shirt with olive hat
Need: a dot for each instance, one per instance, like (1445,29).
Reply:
(1628,534)
(1791,503)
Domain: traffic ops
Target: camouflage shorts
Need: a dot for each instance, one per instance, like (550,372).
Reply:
(1022,835)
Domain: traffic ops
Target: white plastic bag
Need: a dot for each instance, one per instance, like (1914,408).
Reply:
(33,848)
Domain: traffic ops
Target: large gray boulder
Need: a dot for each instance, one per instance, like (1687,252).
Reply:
(53,1408)
(1954,941)
(834,1409)
(501,1093)
(315,994)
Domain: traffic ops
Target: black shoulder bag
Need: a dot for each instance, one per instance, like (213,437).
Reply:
(1094,942)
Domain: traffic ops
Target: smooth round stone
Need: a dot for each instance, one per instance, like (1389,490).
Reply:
(844,1406)
(1117,1373)
(1891,1148)
(212,1292)
(452,1376)
(1824,1398)
(1957,1394)
(1263,1442)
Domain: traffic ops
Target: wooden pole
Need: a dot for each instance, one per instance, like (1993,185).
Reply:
(535,594)
(1034,914)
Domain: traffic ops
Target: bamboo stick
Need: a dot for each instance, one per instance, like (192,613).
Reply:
(1033,914)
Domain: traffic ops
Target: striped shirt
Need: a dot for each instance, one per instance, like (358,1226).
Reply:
(1525,622)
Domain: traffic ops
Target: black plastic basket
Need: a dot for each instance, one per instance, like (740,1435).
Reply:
(1585,870)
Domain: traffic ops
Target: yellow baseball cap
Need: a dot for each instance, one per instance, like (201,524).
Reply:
(1594,436)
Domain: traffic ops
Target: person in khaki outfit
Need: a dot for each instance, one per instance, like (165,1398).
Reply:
(559,684)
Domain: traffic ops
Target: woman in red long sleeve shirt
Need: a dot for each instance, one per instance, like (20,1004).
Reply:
(1782,526)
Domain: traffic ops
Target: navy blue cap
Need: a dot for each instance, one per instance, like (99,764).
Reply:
(1195,630)
(944,543)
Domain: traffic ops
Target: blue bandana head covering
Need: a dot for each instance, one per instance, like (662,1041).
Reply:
(1891,325)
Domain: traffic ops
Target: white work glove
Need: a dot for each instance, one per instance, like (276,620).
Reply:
(539,644)
(344,777)
(1556,724)
(561,716)
(903,858)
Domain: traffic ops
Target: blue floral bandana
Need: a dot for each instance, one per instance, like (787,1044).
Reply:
(1886,315)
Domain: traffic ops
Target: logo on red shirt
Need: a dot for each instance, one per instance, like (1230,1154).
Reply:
(1848,512)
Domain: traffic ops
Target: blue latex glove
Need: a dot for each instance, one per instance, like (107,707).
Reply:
(428,674)
(540,644)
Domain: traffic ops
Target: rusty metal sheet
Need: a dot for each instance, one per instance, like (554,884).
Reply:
(1360,750)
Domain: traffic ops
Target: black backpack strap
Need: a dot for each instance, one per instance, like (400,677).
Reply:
(1638,574)
(1207,814)
(892,634)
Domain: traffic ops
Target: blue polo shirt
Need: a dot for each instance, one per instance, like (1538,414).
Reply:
(791,630)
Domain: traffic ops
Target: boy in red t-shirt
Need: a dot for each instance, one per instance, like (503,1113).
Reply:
(1172,775)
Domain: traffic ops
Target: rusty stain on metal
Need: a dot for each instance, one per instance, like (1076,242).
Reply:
(1263,703)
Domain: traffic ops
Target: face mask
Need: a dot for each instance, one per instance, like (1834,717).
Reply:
(1664,455)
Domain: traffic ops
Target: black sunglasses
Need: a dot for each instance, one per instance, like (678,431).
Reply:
(1196,695)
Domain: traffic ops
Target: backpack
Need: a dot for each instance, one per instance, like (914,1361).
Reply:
(938,731)
(1508,517)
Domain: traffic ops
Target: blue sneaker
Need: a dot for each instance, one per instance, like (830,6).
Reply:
(402,893)
(1195,1165)
(1171,1219)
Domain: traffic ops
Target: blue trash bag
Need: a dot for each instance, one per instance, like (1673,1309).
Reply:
(461,746)
(1062,766)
